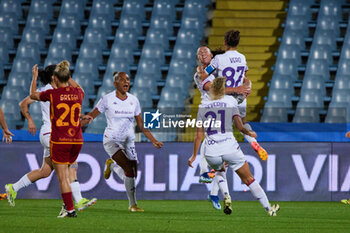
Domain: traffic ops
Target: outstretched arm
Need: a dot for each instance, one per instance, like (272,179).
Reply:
(239,124)
(25,111)
(147,132)
(88,118)
(196,143)
(7,135)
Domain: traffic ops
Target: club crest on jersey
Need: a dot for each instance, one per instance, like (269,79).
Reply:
(151,120)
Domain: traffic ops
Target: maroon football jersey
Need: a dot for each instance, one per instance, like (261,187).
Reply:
(65,110)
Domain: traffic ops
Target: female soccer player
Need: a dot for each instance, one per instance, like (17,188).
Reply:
(121,108)
(233,66)
(221,146)
(6,133)
(45,77)
(66,134)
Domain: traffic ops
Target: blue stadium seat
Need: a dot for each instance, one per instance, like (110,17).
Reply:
(65,35)
(157,36)
(297,23)
(331,9)
(116,65)
(98,125)
(318,67)
(282,82)
(172,94)
(323,37)
(131,22)
(6,36)
(194,25)
(28,50)
(279,98)
(188,37)
(4,55)
(275,115)
(86,65)
(60,51)
(11,6)
(92,51)
(286,67)
(170,106)
(101,22)
(164,8)
(289,52)
(102,91)
(336,115)
(86,81)
(67,21)
(195,9)
(342,83)
(154,52)
(96,35)
(103,7)
(38,21)
(329,24)
(180,66)
(175,80)
(149,66)
(11,112)
(160,22)
(24,84)
(13,93)
(293,37)
(340,96)
(311,98)
(306,115)
(2,74)
(321,52)
(34,35)
(9,21)
(126,36)
(42,7)
(310,83)
(20,76)
(23,65)
(299,8)
(146,82)
(123,51)
(73,7)
(133,8)
(186,52)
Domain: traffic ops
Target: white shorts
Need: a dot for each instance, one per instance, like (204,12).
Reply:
(111,146)
(242,107)
(45,142)
(234,160)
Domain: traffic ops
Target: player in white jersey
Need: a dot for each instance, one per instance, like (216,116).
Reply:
(221,145)
(233,66)
(45,77)
(121,109)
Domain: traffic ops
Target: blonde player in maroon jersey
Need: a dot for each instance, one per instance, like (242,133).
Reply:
(66,135)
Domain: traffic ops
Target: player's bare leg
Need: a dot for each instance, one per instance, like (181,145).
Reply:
(130,170)
(255,188)
(80,202)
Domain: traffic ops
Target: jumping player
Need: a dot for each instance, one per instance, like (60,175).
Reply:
(233,66)
(45,77)
(221,145)
(121,108)
(66,134)
(6,133)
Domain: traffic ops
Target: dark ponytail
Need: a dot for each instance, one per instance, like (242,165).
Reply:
(232,38)
(45,75)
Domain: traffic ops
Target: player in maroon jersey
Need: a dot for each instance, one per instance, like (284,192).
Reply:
(66,136)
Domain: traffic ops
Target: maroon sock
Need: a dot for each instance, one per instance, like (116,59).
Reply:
(68,201)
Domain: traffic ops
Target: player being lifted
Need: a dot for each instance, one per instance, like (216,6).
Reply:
(233,66)
(66,138)
(121,109)
(220,145)
(45,77)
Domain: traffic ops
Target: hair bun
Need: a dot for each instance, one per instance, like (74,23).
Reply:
(63,65)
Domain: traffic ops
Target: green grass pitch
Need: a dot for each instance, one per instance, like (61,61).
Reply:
(175,216)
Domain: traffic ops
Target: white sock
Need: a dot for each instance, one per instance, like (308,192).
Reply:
(22,183)
(129,183)
(222,183)
(248,138)
(215,187)
(259,194)
(76,191)
(203,165)
(117,169)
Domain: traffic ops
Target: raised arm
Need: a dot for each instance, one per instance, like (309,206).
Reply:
(25,111)
(34,95)
(147,132)
(196,143)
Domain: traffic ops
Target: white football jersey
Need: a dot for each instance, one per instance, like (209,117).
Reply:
(200,84)
(231,65)
(45,111)
(219,138)
(120,115)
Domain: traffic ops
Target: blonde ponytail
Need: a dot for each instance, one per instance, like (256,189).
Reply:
(62,71)
(217,88)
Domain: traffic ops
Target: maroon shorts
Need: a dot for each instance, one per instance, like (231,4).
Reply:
(64,153)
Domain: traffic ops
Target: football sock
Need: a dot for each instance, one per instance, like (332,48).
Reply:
(75,186)
(248,138)
(68,201)
(130,189)
(203,165)
(222,183)
(23,182)
(117,169)
(215,187)
(259,194)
